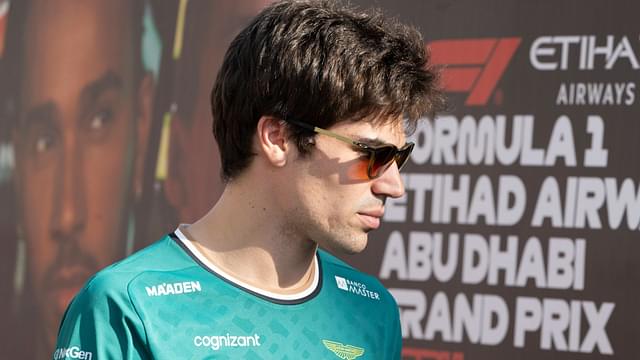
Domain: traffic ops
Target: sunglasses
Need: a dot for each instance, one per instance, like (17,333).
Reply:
(380,157)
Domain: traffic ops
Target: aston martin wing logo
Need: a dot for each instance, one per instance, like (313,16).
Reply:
(346,352)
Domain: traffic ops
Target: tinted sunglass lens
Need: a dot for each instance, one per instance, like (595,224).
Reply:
(381,160)
(403,155)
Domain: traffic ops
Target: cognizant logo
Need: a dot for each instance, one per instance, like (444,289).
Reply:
(216,342)
(73,352)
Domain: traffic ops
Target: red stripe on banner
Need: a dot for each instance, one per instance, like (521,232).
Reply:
(3,27)
(461,52)
(459,79)
(493,71)
(430,354)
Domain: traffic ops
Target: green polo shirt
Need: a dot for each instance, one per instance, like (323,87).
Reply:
(168,301)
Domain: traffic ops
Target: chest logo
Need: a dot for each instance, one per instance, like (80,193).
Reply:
(356,287)
(346,352)
(173,288)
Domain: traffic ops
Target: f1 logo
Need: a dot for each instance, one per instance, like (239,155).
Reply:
(473,65)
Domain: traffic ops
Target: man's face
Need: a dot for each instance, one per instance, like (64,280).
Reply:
(334,202)
(77,138)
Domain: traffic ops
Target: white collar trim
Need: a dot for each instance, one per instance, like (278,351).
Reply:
(287,297)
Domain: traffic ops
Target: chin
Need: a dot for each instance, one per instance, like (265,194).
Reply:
(355,246)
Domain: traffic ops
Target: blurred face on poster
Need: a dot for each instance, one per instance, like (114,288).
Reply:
(84,117)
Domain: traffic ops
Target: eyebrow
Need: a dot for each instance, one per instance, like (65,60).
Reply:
(46,111)
(41,114)
(91,92)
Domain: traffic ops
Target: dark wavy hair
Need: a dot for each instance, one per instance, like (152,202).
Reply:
(319,62)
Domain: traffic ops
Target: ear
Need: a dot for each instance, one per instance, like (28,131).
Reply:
(145,109)
(272,140)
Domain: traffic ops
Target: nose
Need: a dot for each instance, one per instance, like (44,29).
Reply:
(69,205)
(389,183)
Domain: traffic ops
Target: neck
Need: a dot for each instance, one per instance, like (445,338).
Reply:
(245,235)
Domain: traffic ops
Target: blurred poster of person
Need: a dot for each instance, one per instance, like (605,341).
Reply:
(193,181)
(83,111)
(155,216)
(8,227)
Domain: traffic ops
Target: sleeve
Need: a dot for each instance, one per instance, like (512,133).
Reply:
(101,323)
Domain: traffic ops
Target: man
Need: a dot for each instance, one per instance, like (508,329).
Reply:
(84,113)
(308,113)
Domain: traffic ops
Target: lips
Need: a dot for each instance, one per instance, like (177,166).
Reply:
(371,219)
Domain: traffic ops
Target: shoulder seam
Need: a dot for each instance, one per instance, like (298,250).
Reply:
(135,309)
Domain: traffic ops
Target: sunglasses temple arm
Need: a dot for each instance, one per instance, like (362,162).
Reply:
(336,136)
(325,132)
